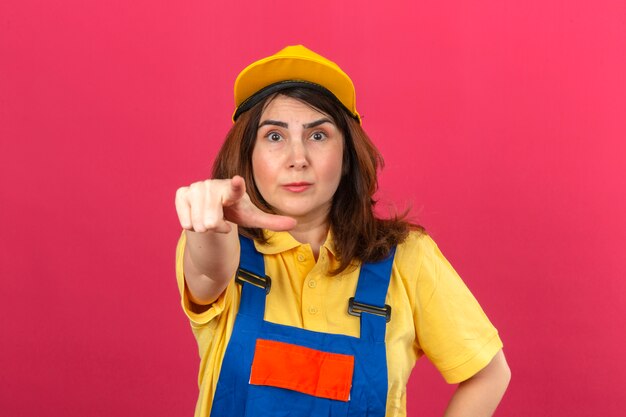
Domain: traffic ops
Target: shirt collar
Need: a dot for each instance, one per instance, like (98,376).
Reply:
(278,242)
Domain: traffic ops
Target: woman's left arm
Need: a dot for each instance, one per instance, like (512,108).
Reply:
(480,395)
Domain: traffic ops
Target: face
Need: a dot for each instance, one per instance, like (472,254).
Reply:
(297,159)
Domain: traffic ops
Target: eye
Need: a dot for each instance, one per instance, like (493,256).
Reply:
(318,136)
(273,136)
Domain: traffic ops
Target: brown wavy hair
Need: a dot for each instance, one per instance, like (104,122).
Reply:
(358,234)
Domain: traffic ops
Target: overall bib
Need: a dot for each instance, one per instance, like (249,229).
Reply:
(275,370)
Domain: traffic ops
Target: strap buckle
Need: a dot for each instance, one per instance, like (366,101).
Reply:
(264,282)
(355,309)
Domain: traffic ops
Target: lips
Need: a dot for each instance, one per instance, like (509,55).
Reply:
(297,187)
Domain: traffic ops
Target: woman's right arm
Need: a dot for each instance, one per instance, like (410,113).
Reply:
(210,212)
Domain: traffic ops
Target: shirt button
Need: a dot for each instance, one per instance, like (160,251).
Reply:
(312,284)
(312,310)
(301,257)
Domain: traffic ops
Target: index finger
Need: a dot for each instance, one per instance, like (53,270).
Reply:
(236,191)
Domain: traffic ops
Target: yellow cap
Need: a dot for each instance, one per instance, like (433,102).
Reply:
(291,66)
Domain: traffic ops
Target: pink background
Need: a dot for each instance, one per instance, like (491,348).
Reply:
(502,124)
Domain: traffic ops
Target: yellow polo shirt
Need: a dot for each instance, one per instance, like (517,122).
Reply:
(433,312)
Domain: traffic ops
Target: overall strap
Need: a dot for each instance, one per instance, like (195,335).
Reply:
(251,275)
(369,300)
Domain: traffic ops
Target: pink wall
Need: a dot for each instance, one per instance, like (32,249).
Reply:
(502,123)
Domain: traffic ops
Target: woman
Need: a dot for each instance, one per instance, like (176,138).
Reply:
(330,307)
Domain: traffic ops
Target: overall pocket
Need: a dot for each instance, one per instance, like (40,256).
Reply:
(292,380)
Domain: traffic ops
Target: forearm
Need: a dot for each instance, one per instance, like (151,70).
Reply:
(210,211)
(209,263)
(480,395)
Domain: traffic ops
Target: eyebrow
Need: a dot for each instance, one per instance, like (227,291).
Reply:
(273,123)
(285,125)
(317,123)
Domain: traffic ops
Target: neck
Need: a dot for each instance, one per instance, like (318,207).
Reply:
(313,233)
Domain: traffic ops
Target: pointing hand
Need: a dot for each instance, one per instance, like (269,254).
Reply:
(211,204)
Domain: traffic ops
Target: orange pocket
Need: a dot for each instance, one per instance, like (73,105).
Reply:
(310,371)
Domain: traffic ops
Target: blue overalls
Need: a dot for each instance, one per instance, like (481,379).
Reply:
(237,395)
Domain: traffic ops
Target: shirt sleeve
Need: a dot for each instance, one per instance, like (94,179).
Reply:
(453,331)
(198,315)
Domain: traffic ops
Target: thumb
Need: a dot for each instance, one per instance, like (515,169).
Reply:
(275,222)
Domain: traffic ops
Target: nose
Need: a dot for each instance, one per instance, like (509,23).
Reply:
(298,157)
